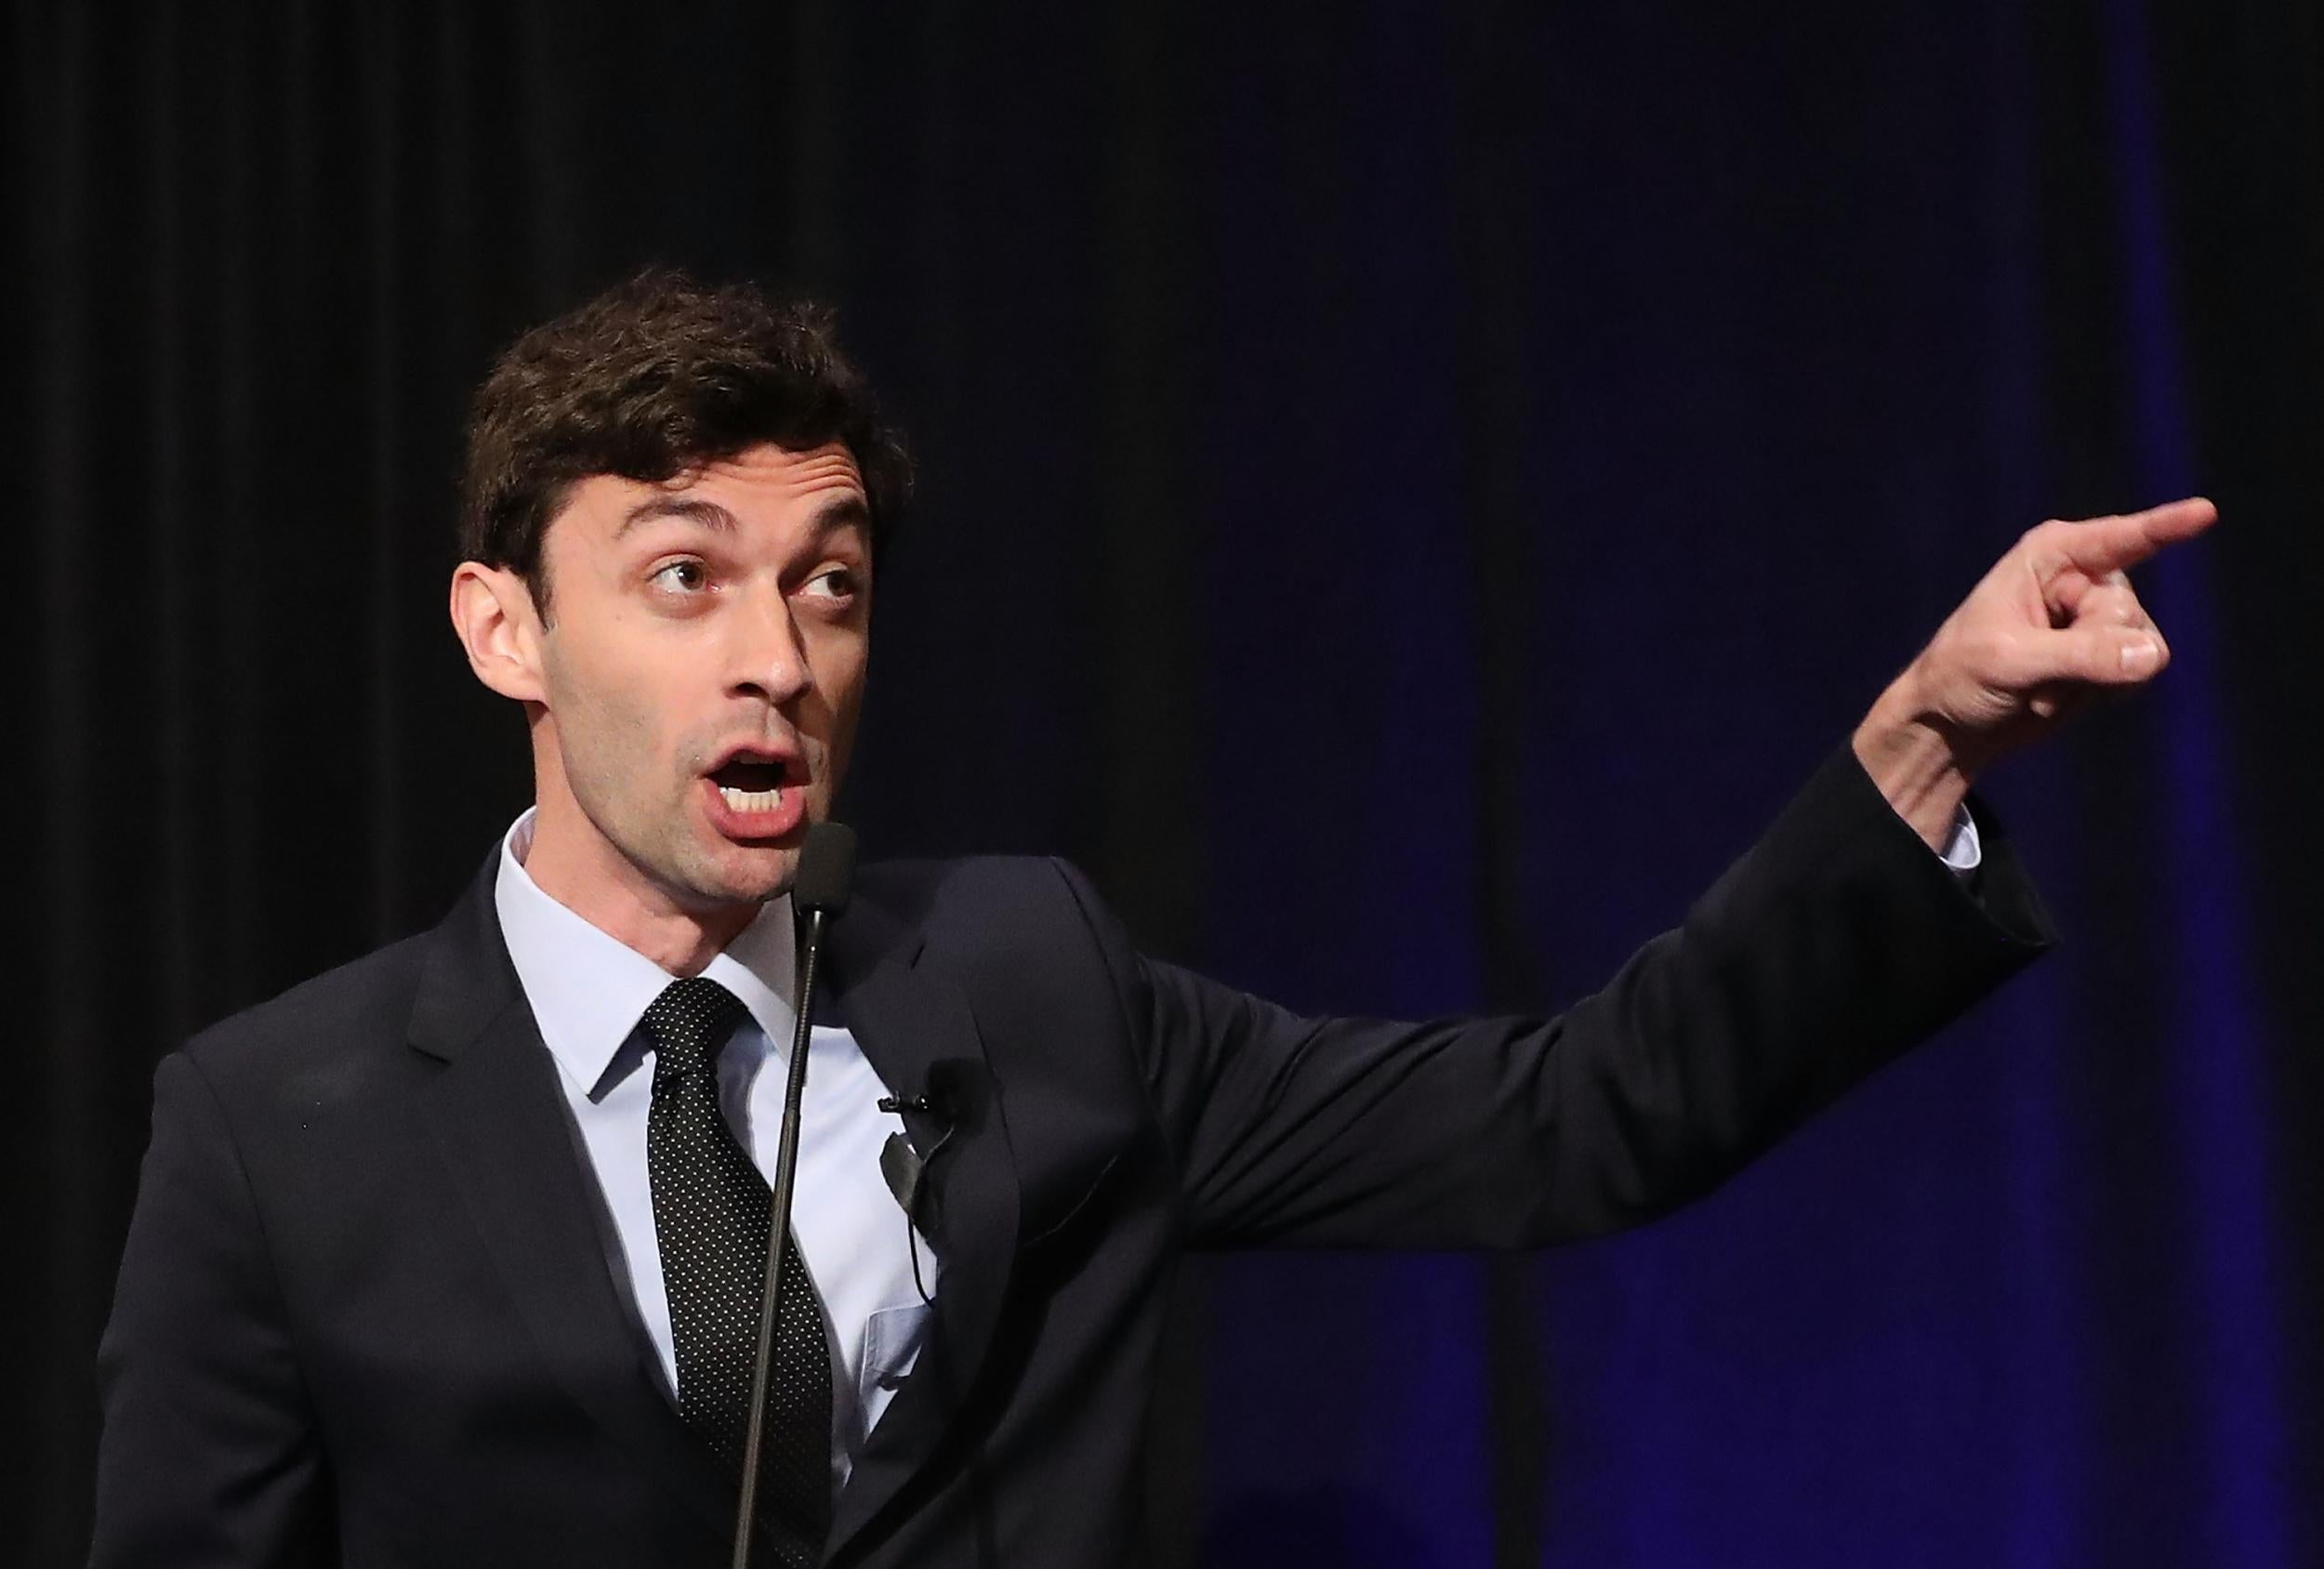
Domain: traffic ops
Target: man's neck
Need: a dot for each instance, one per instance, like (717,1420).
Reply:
(620,901)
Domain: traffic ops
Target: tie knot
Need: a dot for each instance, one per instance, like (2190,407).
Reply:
(689,1022)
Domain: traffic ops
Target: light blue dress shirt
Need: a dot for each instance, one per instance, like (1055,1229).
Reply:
(588,991)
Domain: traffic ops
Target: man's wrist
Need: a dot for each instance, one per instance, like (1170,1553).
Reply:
(1914,762)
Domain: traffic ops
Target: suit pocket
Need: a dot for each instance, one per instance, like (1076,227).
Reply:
(891,1344)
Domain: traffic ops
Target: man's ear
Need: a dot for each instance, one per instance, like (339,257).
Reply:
(497,622)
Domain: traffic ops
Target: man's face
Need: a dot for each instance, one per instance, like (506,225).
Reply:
(700,666)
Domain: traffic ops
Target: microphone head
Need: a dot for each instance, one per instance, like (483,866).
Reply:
(826,869)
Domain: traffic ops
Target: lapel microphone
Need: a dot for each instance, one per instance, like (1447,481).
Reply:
(819,891)
(904,1158)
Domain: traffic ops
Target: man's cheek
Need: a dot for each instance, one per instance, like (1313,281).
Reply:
(608,734)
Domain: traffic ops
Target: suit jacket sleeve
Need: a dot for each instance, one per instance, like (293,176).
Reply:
(209,1453)
(1837,941)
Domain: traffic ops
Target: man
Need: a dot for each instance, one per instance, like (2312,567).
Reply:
(450,1256)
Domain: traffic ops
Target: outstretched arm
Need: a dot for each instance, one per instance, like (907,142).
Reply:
(1837,942)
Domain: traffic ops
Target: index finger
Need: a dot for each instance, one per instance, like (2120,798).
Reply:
(2105,544)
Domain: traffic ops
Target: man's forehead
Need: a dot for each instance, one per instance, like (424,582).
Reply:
(826,477)
(785,472)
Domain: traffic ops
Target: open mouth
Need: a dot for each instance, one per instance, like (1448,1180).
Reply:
(750,784)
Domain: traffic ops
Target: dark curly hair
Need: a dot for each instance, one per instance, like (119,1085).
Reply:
(658,376)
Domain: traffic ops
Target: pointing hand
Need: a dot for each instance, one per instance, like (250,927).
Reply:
(2053,624)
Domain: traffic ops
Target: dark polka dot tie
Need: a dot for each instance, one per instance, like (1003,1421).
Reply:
(711,1210)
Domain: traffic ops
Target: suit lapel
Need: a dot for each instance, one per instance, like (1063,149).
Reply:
(915,1027)
(497,1116)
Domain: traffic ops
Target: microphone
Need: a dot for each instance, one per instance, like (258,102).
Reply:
(930,1112)
(827,874)
(819,894)
(904,1157)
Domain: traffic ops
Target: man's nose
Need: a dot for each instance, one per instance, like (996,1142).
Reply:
(768,659)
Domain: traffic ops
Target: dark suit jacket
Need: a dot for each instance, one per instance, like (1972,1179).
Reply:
(366,1313)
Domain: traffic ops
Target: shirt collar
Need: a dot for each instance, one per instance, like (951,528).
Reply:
(588,989)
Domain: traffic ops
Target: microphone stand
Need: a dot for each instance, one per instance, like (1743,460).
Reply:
(819,897)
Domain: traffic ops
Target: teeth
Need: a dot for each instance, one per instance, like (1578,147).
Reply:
(750,800)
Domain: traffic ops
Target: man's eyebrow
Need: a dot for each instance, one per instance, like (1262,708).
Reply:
(847,511)
(709,514)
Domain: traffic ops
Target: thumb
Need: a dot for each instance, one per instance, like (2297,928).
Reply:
(2106,655)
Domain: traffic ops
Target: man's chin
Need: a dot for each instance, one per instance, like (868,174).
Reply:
(743,874)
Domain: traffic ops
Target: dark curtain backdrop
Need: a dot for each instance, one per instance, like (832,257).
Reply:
(1409,489)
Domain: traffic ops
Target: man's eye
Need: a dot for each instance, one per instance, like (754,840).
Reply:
(837,583)
(681,577)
